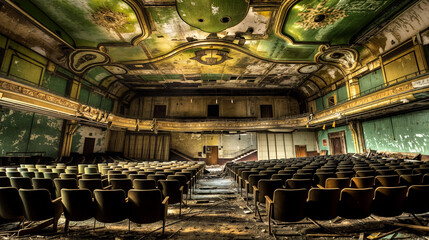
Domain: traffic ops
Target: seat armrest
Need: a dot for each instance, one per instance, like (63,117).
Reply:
(255,188)
(320,186)
(181,188)
(268,199)
(107,187)
(56,200)
(165,201)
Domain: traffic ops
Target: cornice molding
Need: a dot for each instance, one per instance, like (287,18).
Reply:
(18,94)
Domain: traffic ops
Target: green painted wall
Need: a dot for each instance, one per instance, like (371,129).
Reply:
(402,133)
(89,132)
(29,132)
(371,82)
(323,134)
(55,84)
(322,102)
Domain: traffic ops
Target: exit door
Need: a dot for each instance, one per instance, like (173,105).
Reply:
(337,143)
(88,146)
(211,155)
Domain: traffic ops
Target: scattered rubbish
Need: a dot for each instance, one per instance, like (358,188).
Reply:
(247,212)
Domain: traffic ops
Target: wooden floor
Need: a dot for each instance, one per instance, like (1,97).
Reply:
(216,212)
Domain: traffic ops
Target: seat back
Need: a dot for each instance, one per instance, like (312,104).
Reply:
(137,176)
(145,206)
(78,204)
(362,182)
(410,179)
(386,181)
(121,183)
(254,179)
(68,175)
(50,175)
(355,203)
(142,184)
(11,207)
(337,183)
(282,177)
(389,201)
(181,179)
(320,178)
(5,181)
(365,173)
(90,184)
(110,205)
(302,176)
(345,174)
(299,183)
(45,183)
(91,176)
(60,183)
(267,187)
(37,204)
(402,171)
(417,200)
(322,204)
(171,188)
(289,204)
(21,182)
(156,177)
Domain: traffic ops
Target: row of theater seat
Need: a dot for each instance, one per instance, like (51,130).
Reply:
(130,181)
(320,180)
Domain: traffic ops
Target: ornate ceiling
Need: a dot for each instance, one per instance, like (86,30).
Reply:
(122,45)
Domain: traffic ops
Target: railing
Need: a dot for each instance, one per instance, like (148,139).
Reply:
(25,154)
(407,77)
(237,154)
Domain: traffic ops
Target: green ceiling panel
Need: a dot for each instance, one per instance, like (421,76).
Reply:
(276,48)
(212,15)
(126,53)
(34,11)
(334,21)
(89,22)
(96,74)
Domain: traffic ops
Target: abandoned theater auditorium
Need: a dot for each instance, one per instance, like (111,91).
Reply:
(214,119)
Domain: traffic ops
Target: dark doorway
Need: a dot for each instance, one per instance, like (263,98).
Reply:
(300,151)
(337,143)
(212,110)
(266,111)
(88,146)
(159,111)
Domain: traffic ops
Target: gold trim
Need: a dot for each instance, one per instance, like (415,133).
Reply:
(193,45)
(23,95)
(281,18)
(143,21)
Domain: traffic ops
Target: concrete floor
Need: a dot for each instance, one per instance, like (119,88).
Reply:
(216,211)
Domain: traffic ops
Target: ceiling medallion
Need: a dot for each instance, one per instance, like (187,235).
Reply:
(343,57)
(308,69)
(81,60)
(211,56)
(111,20)
(319,17)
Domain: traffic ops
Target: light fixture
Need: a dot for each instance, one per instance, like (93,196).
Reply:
(232,100)
(216,100)
(191,100)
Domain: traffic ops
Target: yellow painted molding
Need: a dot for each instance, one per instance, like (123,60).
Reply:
(19,94)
